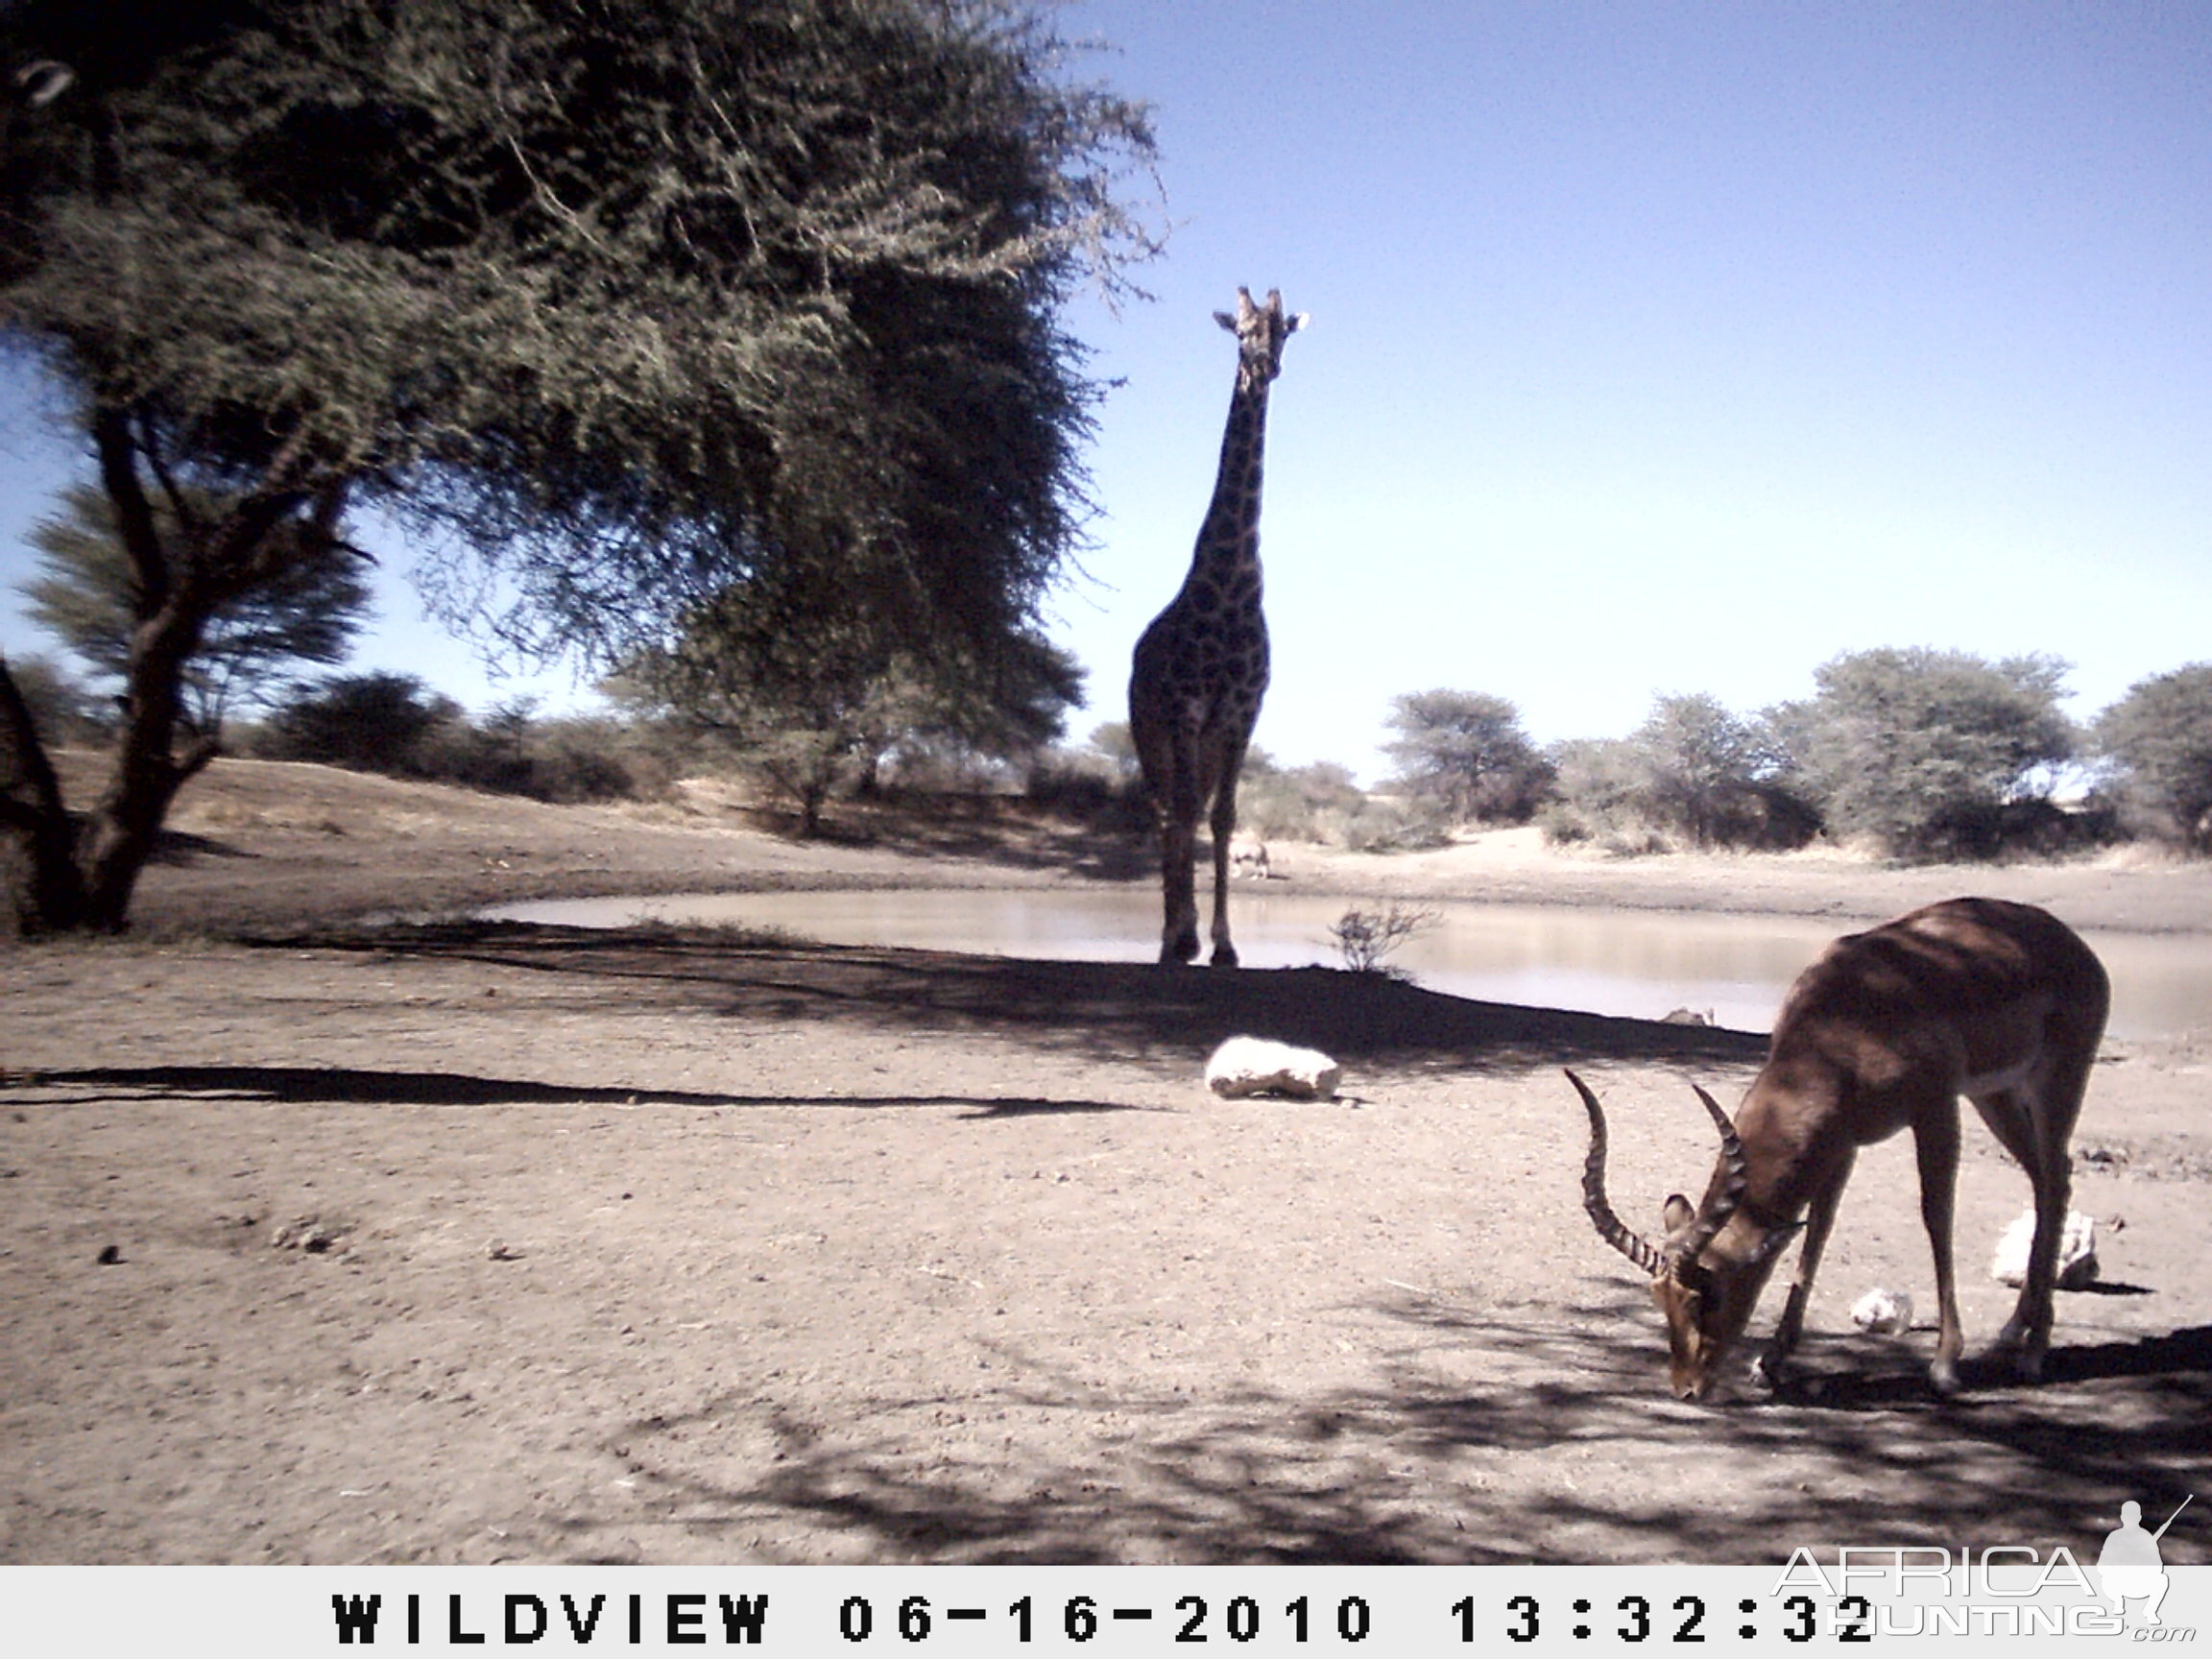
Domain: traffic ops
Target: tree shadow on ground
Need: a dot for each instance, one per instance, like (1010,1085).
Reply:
(333,1085)
(1573,1454)
(988,829)
(1119,1010)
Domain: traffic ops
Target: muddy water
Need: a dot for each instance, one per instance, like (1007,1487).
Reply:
(1732,969)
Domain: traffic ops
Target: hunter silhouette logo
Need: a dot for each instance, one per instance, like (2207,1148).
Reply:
(2130,1566)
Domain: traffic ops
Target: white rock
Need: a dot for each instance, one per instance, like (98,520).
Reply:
(2077,1251)
(1254,1066)
(1885,1312)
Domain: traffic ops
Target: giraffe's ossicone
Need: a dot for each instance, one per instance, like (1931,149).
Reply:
(1201,668)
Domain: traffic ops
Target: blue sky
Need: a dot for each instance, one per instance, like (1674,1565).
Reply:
(1655,348)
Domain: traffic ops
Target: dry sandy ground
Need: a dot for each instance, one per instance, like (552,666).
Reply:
(337,1243)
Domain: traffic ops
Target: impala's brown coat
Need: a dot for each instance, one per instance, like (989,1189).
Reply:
(1998,1001)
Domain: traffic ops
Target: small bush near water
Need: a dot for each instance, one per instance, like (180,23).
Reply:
(1365,937)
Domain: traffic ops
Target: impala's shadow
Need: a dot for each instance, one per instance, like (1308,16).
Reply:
(1863,1382)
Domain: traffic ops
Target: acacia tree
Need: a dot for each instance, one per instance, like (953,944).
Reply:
(1465,754)
(620,305)
(85,596)
(1696,756)
(1924,751)
(2159,740)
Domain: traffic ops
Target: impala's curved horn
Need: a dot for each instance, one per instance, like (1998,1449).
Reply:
(1739,1177)
(1610,1227)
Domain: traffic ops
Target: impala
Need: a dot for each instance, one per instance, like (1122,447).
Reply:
(1997,1001)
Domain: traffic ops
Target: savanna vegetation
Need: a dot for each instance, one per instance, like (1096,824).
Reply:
(764,408)
(705,334)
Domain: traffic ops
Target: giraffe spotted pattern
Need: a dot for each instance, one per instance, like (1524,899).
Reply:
(1201,668)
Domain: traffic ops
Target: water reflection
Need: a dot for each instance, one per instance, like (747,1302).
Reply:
(1643,964)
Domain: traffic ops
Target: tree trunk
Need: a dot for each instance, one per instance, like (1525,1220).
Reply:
(66,876)
(70,877)
(124,829)
(45,888)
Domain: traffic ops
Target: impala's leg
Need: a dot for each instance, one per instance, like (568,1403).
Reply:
(1224,827)
(2028,1330)
(2011,1116)
(1936,1143)
(2035,1122)
(1819,1217)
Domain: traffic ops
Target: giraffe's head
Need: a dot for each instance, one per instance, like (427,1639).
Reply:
(1260,331)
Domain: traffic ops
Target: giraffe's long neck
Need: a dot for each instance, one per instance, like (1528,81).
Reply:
(1229,539)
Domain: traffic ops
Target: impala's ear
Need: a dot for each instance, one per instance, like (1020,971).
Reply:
(1226,320)
(1677,1214)
(1301,319)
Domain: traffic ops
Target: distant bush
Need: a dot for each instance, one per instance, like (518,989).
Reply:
(2158,743)
(1389,823)
(1087,786)
(1710,776)
(1598,798)
(388,723)
(577,760)
(394,725)
(1294,802)
(1692,776)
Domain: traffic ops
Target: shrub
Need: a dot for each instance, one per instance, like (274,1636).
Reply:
(1296,803)
(394,725)
(1365,937)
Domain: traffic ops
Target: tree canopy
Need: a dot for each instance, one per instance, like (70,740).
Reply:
(2158,738)
(1924,751)
(1464,753)
(624,306)
(814,698)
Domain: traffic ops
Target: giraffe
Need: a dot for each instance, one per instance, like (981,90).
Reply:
(1201,668)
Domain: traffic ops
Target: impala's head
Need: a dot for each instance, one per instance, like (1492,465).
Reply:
(1260,331)
(1706,1300)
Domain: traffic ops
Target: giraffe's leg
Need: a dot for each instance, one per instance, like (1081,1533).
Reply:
(1178,852)
(1224,829)
(1936,1146)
